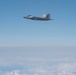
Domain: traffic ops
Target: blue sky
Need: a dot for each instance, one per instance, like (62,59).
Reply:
(17,31)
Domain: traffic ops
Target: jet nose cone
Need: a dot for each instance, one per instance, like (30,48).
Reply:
(24,17)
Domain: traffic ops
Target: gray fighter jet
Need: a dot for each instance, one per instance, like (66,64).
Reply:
(43,18)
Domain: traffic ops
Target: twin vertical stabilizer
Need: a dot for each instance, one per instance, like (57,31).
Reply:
(46,16)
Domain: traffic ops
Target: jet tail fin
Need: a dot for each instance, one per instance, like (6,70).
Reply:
(46,16)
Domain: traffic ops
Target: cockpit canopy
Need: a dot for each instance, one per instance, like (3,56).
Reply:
(29,16)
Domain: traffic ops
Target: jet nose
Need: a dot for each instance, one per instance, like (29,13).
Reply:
(24,17)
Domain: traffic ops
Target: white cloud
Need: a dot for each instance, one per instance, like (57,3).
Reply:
(15,72)
(56,69)
(66,69)
(41,66)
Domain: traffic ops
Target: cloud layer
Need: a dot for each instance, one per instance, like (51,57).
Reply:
(38,66)
(37,61)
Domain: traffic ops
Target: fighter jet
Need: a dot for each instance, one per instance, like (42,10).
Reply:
(43,18)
